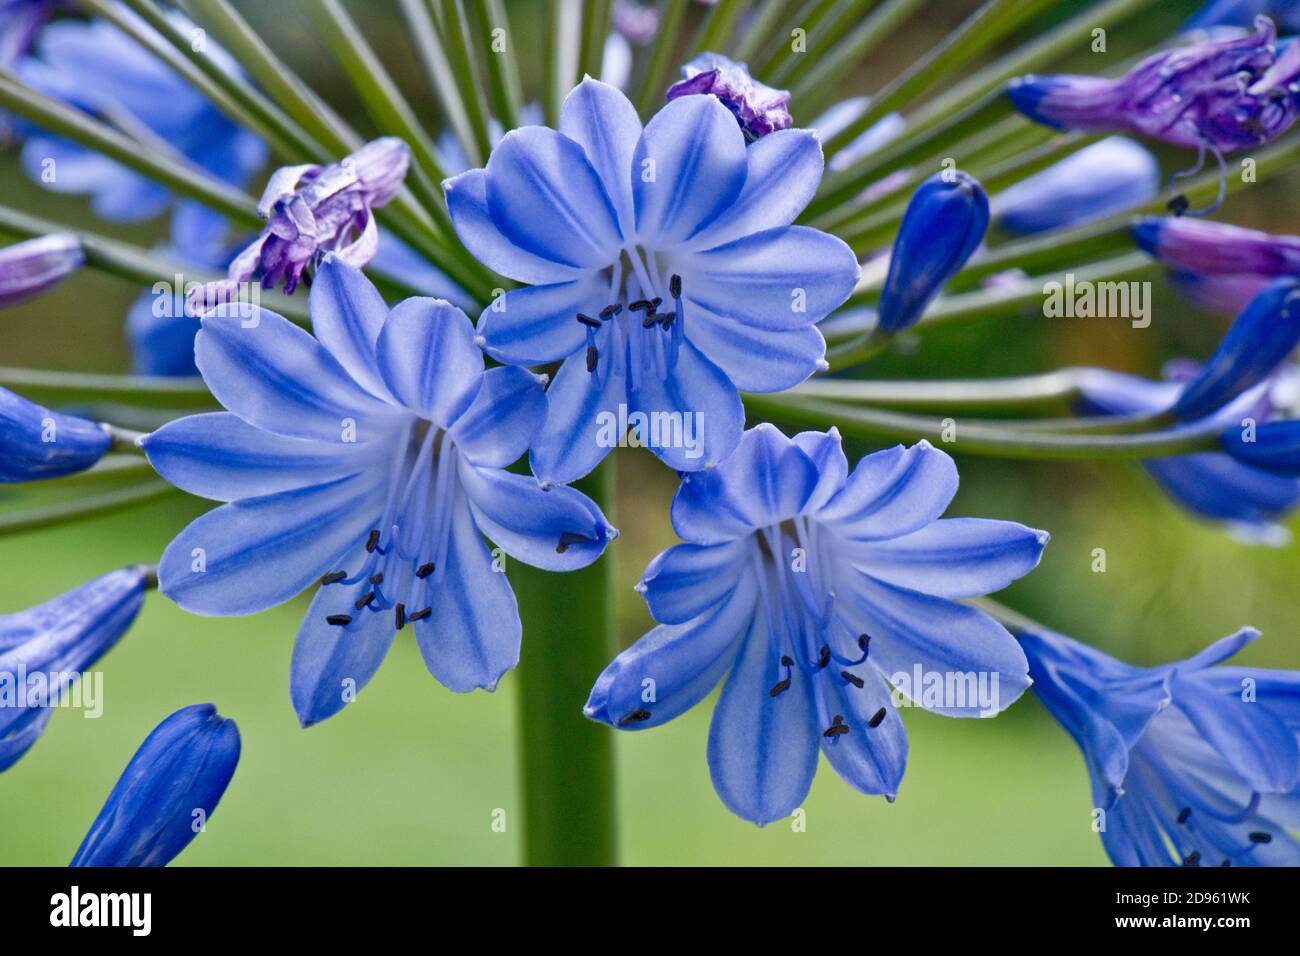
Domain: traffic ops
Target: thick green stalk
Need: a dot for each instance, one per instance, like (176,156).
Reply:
(657,71)
(89,506)
(456,39)
(595,30)
(567,760)
(502,65)
(715,32)
(561,49)
(80,388)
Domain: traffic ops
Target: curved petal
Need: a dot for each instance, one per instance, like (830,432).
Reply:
(784,169)
(331,663)
(1253,742)
(544,197)
(600,119)
(275,376)
(673,667)
(954,557)
(558,528)
(221,457)
(758,360)
(249,555)
(784,278)
(762,749)
(507,413)
(347,314)
(826,451)
(471,637)
(701,405)
(428,359)
(872,755)
(688,579)
(468,205)
(539,323)
(688,168)
(765,480)
(570,444)
(970,665)
(893,492)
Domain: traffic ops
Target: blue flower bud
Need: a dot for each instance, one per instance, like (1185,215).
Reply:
(944,223)
(44,649)
(166,793)
(38,443)
(29,268)
(1256,343)
(1271,446)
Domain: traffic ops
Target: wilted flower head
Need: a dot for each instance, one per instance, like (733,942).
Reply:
(1106,177)
(167,793)
(1222,94)
(943,225)
(815,588)
(1191,764)
(664,272)
(759,108)
(44,649)
(370,460)
(37,443)
(36,265)
(311,211)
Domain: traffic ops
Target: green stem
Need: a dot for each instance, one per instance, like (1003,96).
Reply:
(655,81)
(567,760)
(502,66)
(1012,620)
(90,506)
(761,31)
(455,34)
(715,32)
(76,388)
(595,30)
(561,49)
(820,82)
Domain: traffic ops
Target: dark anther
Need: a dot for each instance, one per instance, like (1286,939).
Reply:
(364,600)
(787,660)
(641,305)
(649,320)
(824,656)
(853,679)
(592,358)
(1178,205)
(372,542)
(1192,859)
(420,615)
(424,570)
(567,539)
(635,717)
(779,688)
(863,641)
(877,718)
(837,727)
(1259,836)
(667,318)
(1183,814)
(675,286)
(334,577)
(339,619)
(588,321)
(377,577)
(655,303)
(400,612)
(610,311)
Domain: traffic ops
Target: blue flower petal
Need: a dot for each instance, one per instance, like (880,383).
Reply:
(826,451)
(539,323)
(468,205)
(765,480)
(869,759)
(673,667)
(689,167)
(600,119)
(762,749)
(688,579)
(507,413)
(347,314)
(218,456)
(569,444)
(757,360)
(428,359)
(472,636)
(252,554)
(954,557)
(892,493)
(559,528)
(700,396)
(274,375)
(784,278)
(544,197)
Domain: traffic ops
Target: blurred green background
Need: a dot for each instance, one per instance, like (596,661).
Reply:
(416,775)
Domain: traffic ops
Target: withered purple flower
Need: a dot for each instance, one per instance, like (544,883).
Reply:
(759,108)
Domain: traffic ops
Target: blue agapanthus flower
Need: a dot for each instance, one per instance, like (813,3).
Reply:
(34,266)
(1191,764)
(369,458)
(44,651)
(662,269)
(816,588)
(97,68)
(167,792)
(36,443)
